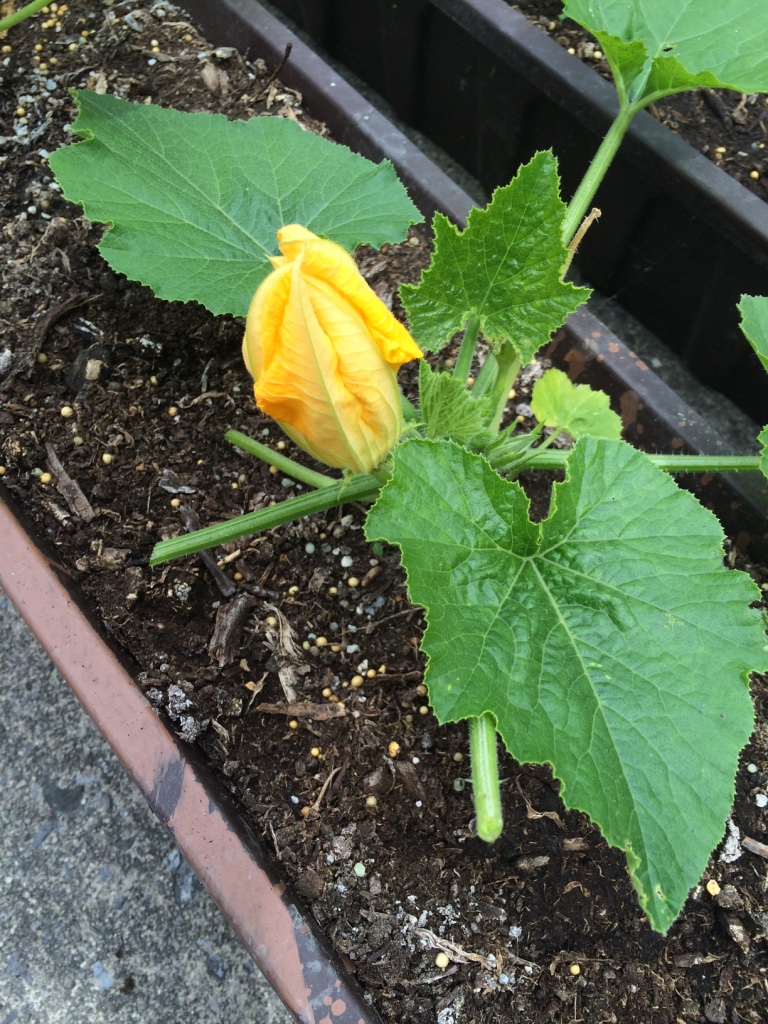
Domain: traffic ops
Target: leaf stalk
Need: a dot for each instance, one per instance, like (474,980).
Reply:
(508,368)
(485,777)
(359,488)
(24,12)
(281,462)
(467,350)
(538,458)
(596,171)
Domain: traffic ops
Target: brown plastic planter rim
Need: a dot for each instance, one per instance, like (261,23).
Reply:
(284,941)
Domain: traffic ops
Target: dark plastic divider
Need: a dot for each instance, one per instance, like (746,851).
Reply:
(679,240)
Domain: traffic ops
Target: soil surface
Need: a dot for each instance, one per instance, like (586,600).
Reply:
(542,926)
(728,127)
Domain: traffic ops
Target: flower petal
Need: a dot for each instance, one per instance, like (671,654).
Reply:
(348,405)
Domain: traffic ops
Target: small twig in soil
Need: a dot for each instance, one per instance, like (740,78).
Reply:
(460,956)
(275,72)
(316,805)
(389,618)
(305,709)
(191,523)
(256,689)
(401,677)
(68,488)
(754,846)
(738,114)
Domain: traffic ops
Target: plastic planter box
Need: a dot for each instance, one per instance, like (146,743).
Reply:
(679,240)
(216,841)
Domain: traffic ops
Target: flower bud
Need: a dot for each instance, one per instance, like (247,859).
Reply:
(323,350)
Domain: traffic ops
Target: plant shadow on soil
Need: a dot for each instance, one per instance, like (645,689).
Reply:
(156,385)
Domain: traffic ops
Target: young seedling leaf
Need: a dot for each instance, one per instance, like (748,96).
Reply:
(656,47)
(194,200)
(608,640)
(574,408)
(449,410)
(506,267)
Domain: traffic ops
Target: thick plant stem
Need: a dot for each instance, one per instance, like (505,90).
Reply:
(485,777)
(281,462)
(509,367)
(359,488)
(554,459)
(585,193)
(486,376)
(467,350)
(22,14)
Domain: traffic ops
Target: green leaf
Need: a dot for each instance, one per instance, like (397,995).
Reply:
(194,200)
(754,324)
(449,410)
(762,437)
(505,267)
(574,408)
(608,640)
(687,44)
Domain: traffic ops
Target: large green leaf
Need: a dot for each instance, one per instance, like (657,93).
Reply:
(608,640)
(505,267)
(194,200)
(658,47)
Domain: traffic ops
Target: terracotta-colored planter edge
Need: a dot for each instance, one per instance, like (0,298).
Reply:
(215,841)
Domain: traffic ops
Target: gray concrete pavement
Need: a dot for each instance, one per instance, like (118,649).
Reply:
(101,920)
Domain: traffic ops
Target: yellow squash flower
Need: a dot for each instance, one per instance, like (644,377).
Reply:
(323,350)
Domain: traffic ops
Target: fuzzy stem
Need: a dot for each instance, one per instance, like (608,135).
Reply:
(22,14)
(282,462)
(509,367)
(486,376)
(485,777)
(359,488)
(557,459)
(467,350)
(585,193)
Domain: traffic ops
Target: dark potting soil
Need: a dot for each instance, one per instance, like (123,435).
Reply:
(543,925)
(729,128)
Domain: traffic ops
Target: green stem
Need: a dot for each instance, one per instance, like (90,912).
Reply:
(585,193)
(281,462)
(359,488)
(486,376)
(22,13)
(467,350)
(558,459)
(485,777)
(508,369)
